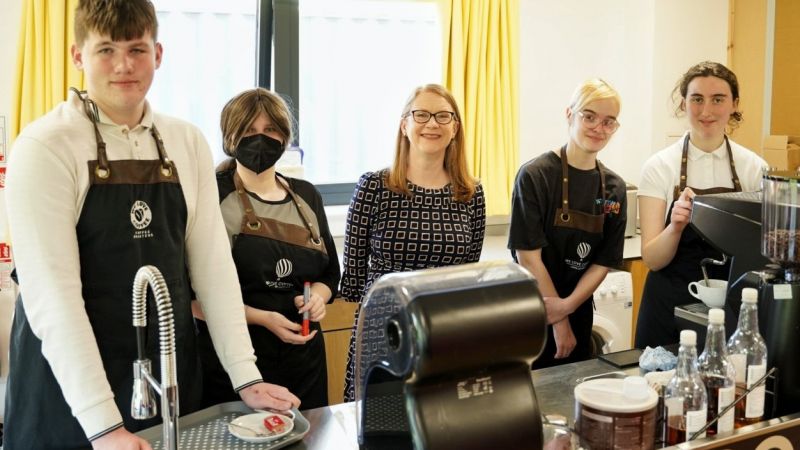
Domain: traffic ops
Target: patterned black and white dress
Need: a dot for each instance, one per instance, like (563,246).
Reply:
(389,232)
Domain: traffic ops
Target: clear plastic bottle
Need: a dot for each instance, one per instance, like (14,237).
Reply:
(717,373)
(685,394)
(748,353)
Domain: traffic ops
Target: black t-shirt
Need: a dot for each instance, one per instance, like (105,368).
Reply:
(537,196)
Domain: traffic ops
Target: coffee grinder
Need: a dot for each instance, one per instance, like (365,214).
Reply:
(761,232)
(779,284)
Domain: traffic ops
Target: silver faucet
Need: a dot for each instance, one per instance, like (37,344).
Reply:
(143,404)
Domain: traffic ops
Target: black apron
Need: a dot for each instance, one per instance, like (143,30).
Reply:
(571,246)
(667,288)
(134,214)
(273,260)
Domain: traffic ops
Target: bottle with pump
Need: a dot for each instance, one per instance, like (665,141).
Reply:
(685,395)
(717,373)
(747,351)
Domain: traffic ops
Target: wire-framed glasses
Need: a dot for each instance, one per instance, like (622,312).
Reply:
(441,117)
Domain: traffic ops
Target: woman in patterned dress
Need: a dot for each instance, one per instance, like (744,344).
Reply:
(425,211)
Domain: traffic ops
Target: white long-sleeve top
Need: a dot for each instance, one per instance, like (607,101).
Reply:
(47,184)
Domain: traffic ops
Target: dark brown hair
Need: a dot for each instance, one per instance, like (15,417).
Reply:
(121,20)
(707,69)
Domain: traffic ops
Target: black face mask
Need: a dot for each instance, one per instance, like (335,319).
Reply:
(258,152)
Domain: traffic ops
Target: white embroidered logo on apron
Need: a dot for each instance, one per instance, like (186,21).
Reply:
(584,249)
(141,216)
(283,268)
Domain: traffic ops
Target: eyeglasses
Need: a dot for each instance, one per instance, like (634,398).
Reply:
(441,117)
(591,120)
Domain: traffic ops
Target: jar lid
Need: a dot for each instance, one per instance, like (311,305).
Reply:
(616,395)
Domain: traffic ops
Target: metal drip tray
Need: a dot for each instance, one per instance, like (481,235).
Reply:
(207,429)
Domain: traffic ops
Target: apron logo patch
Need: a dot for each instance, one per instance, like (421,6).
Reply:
(141,216)
(282,270)
(583,251)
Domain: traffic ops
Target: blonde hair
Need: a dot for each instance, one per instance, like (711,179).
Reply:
(244,108)
(455,159)
(592,90)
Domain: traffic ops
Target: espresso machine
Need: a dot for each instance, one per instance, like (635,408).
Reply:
(760,232)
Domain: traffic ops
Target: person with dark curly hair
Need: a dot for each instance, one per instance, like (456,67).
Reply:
(704,161)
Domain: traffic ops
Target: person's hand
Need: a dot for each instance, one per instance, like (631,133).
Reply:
(557,309)
(286,330)
(121,439)
(315,306)
(682,210)
(269,396)
(565,339)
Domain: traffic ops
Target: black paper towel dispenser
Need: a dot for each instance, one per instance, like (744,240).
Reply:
(443,359)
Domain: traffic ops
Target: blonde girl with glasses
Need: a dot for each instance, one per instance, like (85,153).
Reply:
(703,161)
(568,222)
(425,211)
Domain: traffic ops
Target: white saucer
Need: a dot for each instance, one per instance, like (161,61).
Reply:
(256,422)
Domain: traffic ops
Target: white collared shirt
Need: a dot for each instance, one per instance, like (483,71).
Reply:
(661,172)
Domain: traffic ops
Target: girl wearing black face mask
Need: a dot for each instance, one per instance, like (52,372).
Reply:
(279,240)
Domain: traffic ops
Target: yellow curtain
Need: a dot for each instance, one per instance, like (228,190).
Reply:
(481,53)
(44,65)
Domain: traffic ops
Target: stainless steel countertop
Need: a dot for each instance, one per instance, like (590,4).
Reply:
(334,427)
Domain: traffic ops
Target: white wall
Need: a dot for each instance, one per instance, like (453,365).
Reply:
(634,45)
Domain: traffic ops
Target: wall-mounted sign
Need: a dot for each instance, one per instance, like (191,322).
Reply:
(5,252)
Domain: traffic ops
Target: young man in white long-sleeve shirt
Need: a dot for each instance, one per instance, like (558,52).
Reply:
(96,188)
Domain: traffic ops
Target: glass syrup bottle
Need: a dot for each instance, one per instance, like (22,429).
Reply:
(717,373)
(748,353)
(685,395)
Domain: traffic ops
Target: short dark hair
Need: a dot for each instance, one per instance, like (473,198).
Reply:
(122,20)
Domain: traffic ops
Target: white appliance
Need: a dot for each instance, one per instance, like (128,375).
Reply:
(613,314)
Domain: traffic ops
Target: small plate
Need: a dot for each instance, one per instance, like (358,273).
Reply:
(256,422)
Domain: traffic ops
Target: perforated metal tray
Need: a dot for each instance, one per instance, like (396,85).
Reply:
(207,429)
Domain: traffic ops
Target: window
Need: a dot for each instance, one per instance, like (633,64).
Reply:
(209,56)
(357,61)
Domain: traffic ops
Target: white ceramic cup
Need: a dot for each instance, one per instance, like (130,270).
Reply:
(713,296)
